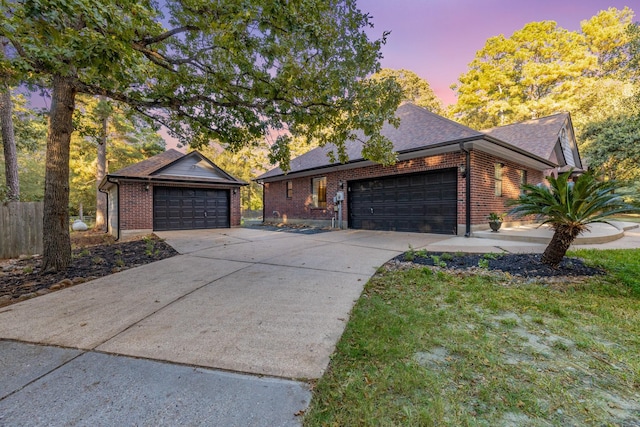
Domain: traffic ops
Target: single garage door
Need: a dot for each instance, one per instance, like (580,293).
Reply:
(422,202)
(189,208)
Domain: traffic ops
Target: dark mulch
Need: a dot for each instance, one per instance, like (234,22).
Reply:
(287,228)
(22,279)
(523,265)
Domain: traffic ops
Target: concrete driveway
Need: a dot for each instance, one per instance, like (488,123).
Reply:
(235,302)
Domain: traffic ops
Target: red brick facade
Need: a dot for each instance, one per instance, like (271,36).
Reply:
(298,208)
(136,203)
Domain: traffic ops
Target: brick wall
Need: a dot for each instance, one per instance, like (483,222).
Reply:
(136,204)
(483,198)
(279,208)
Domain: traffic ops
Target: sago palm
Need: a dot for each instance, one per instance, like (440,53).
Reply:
(569,208)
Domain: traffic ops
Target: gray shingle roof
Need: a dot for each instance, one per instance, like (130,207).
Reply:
(419,129)
(149,168)
(146,167)
(537,136)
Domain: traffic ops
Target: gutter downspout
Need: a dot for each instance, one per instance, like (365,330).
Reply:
(263,207)
(106,217)
(118,210)
(468,190)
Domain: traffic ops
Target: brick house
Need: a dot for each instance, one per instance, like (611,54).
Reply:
(447,179)
(171,191)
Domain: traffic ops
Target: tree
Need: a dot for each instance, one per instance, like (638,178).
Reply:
(613,145)
(8,136)
(245,164)
(30,127)
(106,137)
(542,69)
(607,37)
(228,71)
(569,208)
(521,77)
(414,88)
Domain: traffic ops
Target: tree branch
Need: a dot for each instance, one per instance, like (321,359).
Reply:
(146,41)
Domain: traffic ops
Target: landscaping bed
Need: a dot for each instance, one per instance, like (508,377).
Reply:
(521,265)
(94,255)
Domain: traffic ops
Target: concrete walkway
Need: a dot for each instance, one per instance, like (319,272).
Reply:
(227,333)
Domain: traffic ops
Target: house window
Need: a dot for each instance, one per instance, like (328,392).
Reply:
(498,178)
(523,177)
(319,192)
(289,189)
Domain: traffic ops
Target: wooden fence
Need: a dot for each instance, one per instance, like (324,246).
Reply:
(20,229)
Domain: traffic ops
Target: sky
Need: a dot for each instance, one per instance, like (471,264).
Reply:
(437,39)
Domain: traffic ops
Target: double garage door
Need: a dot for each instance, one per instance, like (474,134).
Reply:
(190,208)
(423,202)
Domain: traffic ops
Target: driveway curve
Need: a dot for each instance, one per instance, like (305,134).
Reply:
(241,300)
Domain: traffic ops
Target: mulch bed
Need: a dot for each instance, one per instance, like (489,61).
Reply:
(519,265)
(22,279)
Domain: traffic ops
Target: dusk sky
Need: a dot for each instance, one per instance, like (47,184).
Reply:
(437,39)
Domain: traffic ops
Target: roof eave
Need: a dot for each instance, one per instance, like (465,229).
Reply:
(154,179)
(444,147)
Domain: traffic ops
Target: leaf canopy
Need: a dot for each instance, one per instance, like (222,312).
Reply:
(229,70)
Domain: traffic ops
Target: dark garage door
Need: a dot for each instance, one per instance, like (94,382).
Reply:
(189,208)
(424,202)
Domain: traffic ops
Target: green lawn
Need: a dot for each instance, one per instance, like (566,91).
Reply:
(627,217)
(426,347)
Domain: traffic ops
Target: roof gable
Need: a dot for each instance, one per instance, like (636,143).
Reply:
(192,165)
(419,128)
(550,137)
(148,166)
(173,165)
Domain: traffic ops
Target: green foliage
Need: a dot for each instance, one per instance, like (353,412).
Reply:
(227,71)
(245,164)
(572,204)
(495,216)
(612,145)
(542,69)
(150,249)
(410,255)
(569,207)
(414,88)
(129,140)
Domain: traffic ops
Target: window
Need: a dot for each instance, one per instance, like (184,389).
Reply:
(289,189)
(319,192)
(498,179)
(523,177)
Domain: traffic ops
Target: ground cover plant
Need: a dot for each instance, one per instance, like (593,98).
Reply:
(433,345)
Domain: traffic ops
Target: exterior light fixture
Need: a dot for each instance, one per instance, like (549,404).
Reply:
(463,170)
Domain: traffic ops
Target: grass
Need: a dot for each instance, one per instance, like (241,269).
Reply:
(425,347)
(627,217)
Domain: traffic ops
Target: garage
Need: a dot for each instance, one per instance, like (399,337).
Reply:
(423,202)
(176,208)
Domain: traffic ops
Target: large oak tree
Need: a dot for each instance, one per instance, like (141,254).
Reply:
(228,70)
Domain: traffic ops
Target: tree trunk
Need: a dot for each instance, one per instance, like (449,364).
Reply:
(8,140)
(101,171)
(559,245)
(56,254)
